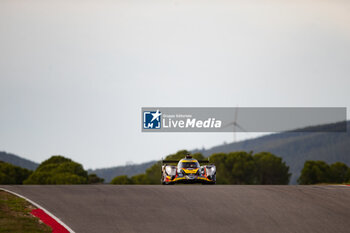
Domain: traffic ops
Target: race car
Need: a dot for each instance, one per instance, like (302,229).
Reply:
(188,170)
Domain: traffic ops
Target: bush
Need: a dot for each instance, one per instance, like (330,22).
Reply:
(338,173)
(66,178)
(58,170)
(94,179)
(244,168)
(316,172)
(10,174)
(270,169)
(121,180)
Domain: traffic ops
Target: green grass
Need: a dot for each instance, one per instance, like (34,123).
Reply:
(15,216)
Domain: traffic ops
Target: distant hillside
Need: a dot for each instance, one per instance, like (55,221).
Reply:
(17,161)
(109,173)
(296,147)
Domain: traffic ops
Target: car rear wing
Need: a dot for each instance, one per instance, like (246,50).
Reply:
(176,161)
(170,161)
(203,161)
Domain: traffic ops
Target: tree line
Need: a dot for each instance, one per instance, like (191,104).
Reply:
(316,172)
(248,168)
(55,170)
(232,168)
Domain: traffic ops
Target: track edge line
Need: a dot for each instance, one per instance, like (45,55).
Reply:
(39,206)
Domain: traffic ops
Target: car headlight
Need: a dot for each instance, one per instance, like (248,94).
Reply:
(171,171)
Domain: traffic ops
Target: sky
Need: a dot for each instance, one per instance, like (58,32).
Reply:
(75,74)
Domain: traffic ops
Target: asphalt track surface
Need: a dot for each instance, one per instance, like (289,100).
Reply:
(195,208)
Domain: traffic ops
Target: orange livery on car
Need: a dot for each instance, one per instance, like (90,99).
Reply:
(188,170)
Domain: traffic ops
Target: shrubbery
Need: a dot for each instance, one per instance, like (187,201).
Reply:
(10,174)
(316,172)
(246,168)
(61,170)
(122,180)
(94,179)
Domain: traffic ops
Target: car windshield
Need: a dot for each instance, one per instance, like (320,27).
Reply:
(189,165)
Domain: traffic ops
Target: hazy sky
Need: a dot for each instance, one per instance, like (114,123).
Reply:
(75,74)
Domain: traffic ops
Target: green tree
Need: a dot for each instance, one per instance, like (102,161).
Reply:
(121,180)
(244,168)
(56,159)
(10,174)
(152,175)
(314,172)
(234,167)
(222,174)
(94,179)
(39,178)
(66,178)
(338,173)
(270,169)
(71,167)
(58,170)
(140,179)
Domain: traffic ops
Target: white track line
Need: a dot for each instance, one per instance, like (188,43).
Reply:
(40,207)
